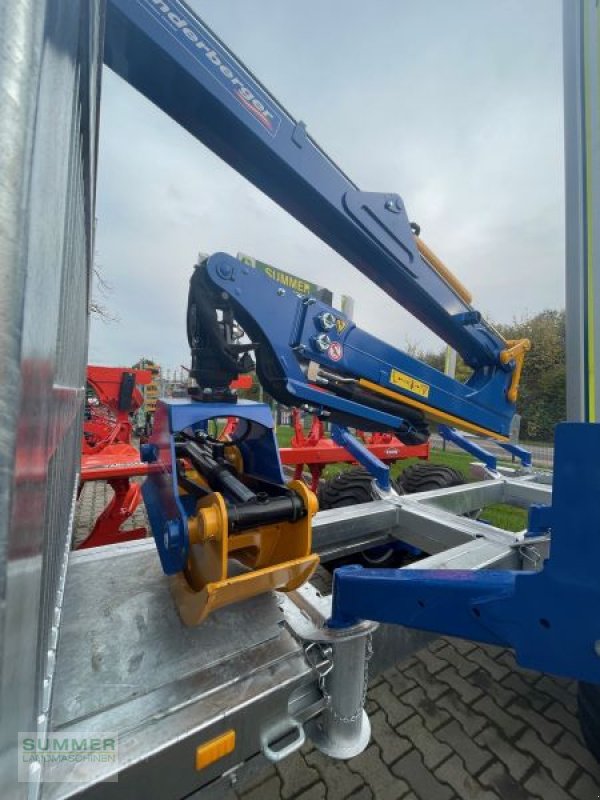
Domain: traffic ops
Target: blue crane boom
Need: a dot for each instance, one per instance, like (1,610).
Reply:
(162,49)
(166,53)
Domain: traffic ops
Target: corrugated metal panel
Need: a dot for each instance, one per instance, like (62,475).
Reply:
(50,60)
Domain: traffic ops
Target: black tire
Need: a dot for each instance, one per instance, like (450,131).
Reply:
(349,488)
(426,476)
(588,703)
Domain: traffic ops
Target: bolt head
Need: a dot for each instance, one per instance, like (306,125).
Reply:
(280,292)
(322,342)
(225,270)
(326,320)
(172,534)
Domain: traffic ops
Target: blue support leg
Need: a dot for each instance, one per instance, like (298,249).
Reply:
(490,460)
(520,452)
(452,435)
(379,470)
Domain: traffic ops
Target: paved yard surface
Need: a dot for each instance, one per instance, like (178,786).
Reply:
(455,722)
(94,497)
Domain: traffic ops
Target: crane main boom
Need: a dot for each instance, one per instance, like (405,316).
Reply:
(162,49)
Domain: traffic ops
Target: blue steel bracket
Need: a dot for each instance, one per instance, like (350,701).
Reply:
(539,520)
(452,435)
(384,217)
(379,470)
(549,617)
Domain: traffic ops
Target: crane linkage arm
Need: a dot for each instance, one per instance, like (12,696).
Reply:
(162,49)
(310,354)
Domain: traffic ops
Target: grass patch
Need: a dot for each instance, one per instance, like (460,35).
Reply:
(285,434)
(509,518)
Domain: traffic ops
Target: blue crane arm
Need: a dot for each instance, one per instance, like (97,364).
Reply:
(310,354)
(162,49)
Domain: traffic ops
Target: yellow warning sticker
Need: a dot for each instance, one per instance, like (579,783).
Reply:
(340,325)
(409,384)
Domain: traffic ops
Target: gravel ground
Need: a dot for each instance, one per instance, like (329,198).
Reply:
(457,721)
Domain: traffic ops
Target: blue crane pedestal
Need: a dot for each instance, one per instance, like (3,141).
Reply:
(550,617)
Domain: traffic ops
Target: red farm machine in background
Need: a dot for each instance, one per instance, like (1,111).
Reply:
(107,453)
(315,451)
(114,396)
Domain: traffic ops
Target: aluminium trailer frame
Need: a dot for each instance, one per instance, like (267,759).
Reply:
(258,667)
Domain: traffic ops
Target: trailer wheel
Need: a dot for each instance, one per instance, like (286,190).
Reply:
(349,488)
(588,705)
(425,477)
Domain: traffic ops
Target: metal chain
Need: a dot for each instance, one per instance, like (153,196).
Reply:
(530,553)
(323,664)
(322,667)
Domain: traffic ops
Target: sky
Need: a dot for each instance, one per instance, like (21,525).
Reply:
(456,106)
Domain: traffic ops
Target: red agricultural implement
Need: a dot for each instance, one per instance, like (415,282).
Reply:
(107,453)
(315,451)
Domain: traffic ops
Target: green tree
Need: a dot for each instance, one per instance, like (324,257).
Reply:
(542,392)
(542,395)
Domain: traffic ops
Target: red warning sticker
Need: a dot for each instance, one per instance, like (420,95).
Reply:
(335,351)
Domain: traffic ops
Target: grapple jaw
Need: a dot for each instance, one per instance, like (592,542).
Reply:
(226,525)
